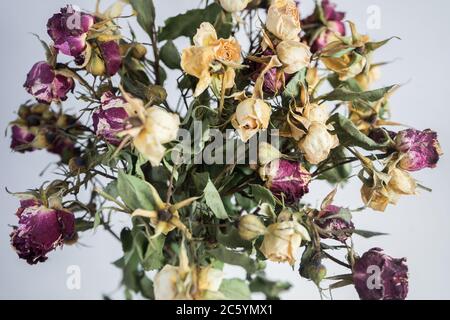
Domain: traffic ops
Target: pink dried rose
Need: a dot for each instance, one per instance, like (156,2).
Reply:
(418,149)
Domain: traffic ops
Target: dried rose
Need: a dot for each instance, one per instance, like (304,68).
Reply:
(334,227)
(378,276)
(110,118)
(46,85)
(250,227)
(419,149)
(21,139)
(234,5)
(286,179)
(252,115)
(294,55)
(283,20)
(40,230)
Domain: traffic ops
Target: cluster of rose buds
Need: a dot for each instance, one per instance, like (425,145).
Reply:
(39,127)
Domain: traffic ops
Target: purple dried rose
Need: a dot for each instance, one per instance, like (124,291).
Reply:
(419,149)
(334,24)
(21,139)
(378,276)
(68,29)
(47,86)
(110,118)
(286,179)
(111,56)
(40,230)
(335,227)
(273,80)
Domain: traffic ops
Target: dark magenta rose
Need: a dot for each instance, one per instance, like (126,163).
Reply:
(378,276)
(110,118)
(21,138)
(382,135)
(334,227)
(334,24)
(47,86)
(286,179)
(40,230)
(68,30)
(112,57)
(418,149)
(273,82)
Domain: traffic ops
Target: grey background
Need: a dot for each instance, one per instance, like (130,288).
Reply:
(418,226)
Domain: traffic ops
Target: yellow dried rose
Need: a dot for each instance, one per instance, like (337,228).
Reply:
(294,55)
(283,20)
(366,79)
(252,115)
(401,182)
(250,227)
(378,197)
(151,128)
(234,5)
(318,143)
(187,283)
(198,60)
(347,66)
(282,239)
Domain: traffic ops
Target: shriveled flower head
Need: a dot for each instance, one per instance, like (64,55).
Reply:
(282,239)
(234,5)
(418,149)
(104,59)
(251,116)
(287,179)
(110,118)
(40,230)
(294,55)
(378,276)
(320,38)
(46,85)
(21,139)
(283,20)
(198,60)
(250,227)
(333,226)
(68,29)
(318,143)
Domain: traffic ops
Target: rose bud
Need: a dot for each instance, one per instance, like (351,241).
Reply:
(282,239)
(21,139)
(267,153)
(283,20)
(46,85)
(250,227)
(68,29)
(294,55)
(252,115)
(419,149)
(378,197)
(391,276)
(382,135)
(110,118)
(334,25)
(334,227)
(318,143)
(40,230)
(234,5)
(286,179)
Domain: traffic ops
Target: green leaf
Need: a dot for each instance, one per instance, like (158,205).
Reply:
(235,289)
(135,192)
(344,94)
(127,240)
(372,46)
(97,219)
(349,134)
(235,258)
(292,89)
(214,201)
(170,56)
(369,234)
(146,288)
(262,195)
(271,289)
(232,239)
(154,258)
(145,10)
(186,24)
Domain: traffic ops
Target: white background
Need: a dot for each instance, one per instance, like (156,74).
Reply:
(418,226)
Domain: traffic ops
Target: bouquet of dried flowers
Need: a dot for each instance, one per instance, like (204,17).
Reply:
(269,103)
